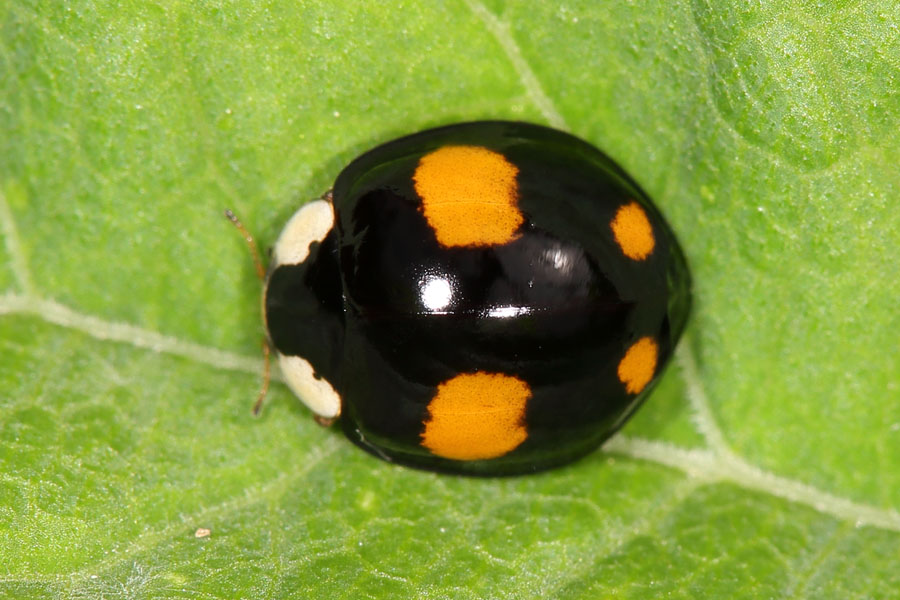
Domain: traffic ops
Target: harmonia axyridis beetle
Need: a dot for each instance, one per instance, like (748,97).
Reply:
(486,298)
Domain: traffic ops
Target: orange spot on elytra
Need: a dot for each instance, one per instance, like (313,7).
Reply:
(469,196)
(633,231)
(476,416)
(637,367)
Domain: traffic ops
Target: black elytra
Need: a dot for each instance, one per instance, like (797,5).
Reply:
(484,357)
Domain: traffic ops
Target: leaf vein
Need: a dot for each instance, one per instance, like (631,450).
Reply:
(701,411)
(730,468)
(14,247)
(527,76)
(717,464)
(58,314)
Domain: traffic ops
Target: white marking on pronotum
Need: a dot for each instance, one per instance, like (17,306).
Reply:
(309,224)
(700,463)
(317,394)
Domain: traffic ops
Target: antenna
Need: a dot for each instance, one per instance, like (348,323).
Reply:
(254,251)
(261,273)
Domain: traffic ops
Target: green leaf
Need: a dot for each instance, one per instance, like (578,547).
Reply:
(767,464)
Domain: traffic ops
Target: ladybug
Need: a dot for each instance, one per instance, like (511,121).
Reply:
(485,298)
